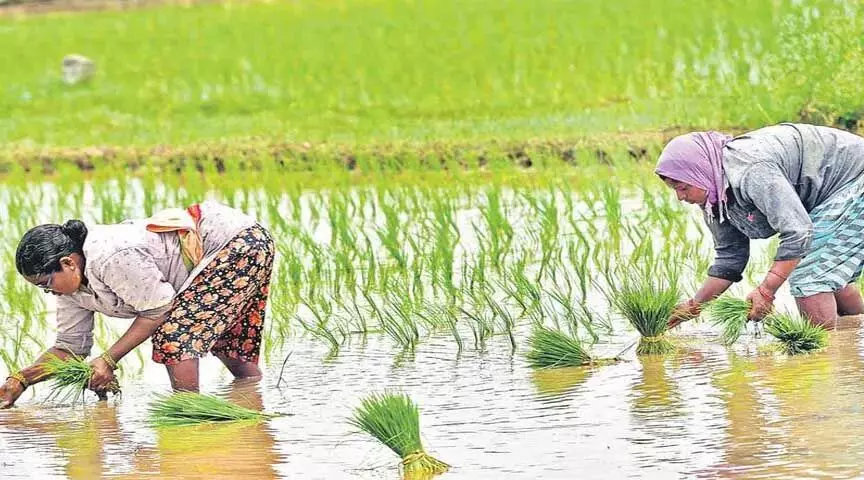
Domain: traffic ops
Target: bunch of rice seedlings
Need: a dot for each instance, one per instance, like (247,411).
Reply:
(731,314)
(189,408)
(796,333)
(70,377)
(647,305)
(550,348)
(394,420)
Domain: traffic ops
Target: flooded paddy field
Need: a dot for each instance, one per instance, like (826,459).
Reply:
(431,285)
(443,180)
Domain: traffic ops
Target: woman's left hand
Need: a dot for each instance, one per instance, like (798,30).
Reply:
(102,377)
(760,305)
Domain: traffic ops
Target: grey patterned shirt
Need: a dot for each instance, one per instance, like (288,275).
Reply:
(777,175)
(132,272)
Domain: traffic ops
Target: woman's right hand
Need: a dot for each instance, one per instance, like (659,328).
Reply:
(684,311)
(9,393)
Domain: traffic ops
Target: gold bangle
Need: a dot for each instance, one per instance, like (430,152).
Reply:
(110,361)
(21,379)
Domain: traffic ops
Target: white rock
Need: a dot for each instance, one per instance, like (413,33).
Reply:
(77,68)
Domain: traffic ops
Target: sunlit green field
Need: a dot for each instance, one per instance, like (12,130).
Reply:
(371,72)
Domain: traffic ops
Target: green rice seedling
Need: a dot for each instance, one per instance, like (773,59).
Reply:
(499,230)
(482,328)
(341,233)
(575,318)
(401,328)
(444,236)
(448,318)
(578,253)
(394,420)
(508,323)
(361,325)
(549,348)
(731,314)
(391,234)
(611,195)
(70,377)
(529,291)
(513,293)
(398,319)
(597,322)
(647,305)
(321,327)
(315,209)
(188,408)
(477,277)
(797,334)
(429,316)
(546,211)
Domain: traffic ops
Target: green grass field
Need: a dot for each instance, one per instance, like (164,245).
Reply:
(372,72)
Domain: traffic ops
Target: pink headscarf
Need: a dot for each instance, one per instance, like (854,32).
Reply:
(697,159)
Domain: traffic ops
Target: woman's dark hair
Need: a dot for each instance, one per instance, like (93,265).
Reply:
(41,248)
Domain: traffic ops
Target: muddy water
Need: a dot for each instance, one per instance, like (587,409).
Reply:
(707,412)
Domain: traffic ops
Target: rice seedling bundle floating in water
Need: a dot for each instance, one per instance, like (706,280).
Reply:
(796,334)
(731,314)
(647,306)
(550,348)
(189,408)
(394,420)
(70,377)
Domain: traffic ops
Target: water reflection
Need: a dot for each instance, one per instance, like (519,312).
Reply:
(92,443)
(655,400)
(216,451)
(788,415)
(745,427)
(705,413)
(81,439)
(558,381)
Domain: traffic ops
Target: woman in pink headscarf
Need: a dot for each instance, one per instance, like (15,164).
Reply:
(804,182)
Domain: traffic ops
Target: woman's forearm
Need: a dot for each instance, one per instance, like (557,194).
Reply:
(778,273)
(34,373)
(141,329)
(711,289)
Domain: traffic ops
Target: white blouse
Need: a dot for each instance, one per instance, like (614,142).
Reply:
(132,272)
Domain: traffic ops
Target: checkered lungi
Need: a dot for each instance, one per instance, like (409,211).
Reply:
(836,255)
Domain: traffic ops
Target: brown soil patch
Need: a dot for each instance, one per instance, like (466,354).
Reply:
(256,154)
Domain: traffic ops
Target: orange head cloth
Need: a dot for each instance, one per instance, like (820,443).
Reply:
(185,223)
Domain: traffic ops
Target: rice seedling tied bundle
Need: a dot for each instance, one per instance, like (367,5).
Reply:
(731,314)
(188,408)
(647,306)
(394,420)
(70,377)
(551,349)
(796,334)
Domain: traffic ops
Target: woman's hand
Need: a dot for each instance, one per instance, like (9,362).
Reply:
(684,311)
(103,375)
(9,393)
(761,303)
